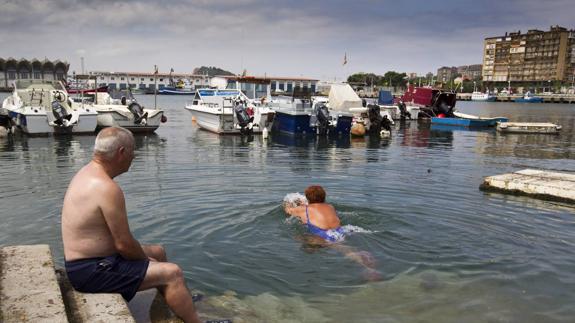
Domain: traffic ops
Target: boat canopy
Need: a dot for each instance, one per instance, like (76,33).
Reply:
(385,97)
(342,97)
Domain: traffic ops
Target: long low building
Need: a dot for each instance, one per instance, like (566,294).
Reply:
(150,81)
(12,70)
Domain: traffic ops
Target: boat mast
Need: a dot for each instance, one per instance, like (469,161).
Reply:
(155,87)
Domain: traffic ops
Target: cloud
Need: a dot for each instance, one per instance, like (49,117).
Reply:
(286,38)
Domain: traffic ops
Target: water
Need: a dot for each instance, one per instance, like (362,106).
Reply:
(447,251)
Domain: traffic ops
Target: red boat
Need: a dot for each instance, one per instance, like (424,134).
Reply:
(77,90)
(432,102)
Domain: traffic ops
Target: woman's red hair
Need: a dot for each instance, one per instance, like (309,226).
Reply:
(315,194)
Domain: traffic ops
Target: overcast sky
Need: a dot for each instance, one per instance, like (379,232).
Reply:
(279,38)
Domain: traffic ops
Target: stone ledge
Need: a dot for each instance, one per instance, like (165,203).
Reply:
(86,307)
(29,290)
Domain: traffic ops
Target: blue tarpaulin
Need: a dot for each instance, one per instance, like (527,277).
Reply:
(385,97)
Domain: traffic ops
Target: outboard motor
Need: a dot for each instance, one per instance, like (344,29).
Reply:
(375,119)
(140,117)
(322,115)
(403,114)
(60,113)
(244,119)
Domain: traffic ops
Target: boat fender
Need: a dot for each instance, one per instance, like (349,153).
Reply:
(163,119)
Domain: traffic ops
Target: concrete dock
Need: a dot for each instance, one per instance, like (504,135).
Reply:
(555,186)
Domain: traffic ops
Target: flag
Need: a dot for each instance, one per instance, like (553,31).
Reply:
(344,59)
(172,70)
(155,69)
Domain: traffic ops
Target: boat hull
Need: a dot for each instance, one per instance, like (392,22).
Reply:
(223,122)
(293,123)
(170,91)
(534,99)
(38,124)
(108,117)
(463,122)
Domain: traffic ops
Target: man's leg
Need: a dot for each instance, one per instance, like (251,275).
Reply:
(169,279)
(155,251)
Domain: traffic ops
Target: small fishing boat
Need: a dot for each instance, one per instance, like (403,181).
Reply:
(120,109)
(484,97)
(529,98)
(467,120)
(302,114)
(429,101)
(528,127)
(44,107)
(230,111)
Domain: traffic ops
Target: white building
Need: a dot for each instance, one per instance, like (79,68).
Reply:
(148,81)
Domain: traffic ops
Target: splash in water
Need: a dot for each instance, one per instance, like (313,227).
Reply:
(294,200)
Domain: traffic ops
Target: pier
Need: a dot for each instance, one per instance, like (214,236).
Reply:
(541,184)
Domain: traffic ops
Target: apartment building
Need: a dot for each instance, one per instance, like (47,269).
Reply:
(535,56)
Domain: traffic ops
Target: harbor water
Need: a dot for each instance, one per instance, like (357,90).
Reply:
(446,251)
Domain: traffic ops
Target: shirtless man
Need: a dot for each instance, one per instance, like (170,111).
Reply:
(101,254)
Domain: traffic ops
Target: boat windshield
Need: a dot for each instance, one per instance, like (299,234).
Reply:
(39,84)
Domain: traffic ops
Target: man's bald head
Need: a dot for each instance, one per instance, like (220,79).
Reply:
(110,139)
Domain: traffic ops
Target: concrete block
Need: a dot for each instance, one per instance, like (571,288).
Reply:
(88,308)
(557,186)
(29,291)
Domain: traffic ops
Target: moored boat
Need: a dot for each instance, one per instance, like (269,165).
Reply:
(485,97)
(431,102)
(229,111)
(120,109)
(41,107)
(467,120)
(529,98)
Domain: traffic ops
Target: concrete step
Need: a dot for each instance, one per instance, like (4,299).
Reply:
(29,290)
(84,307)
(556,186)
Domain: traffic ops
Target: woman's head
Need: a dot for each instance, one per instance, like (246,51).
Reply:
(315,194)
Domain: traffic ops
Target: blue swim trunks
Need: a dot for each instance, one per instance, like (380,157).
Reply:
(112,274)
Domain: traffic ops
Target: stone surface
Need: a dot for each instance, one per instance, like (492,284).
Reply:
(537,183)
(85,307)
(29,291)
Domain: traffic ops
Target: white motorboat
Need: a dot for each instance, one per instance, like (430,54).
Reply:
(528,127)
(122,110)
(485,97)
(230,111)
(40,107)
(343,99)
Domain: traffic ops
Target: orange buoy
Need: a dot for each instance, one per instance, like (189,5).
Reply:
(357,129)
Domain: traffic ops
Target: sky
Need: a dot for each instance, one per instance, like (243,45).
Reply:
(299,38)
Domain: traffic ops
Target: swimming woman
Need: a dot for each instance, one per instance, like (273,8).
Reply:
(322,221)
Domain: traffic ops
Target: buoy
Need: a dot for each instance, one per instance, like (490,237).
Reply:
(193,119)
(163,119)
(357,129)
(441,115)
(265,133)
(385,133)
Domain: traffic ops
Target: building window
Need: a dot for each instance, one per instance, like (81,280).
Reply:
(24,75)
(101,78)
(112,78)
(281,86)
(37,75)
(132,79)
(142,79)
(121,78)
(161,80)
(122,86)
(151,79)
(290,87)
(11,75)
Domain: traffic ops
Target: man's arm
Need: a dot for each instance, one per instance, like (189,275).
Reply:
(113,209)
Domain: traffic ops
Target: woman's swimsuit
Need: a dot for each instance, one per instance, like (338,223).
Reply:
(331,235)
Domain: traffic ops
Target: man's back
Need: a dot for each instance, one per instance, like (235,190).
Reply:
(84,229)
